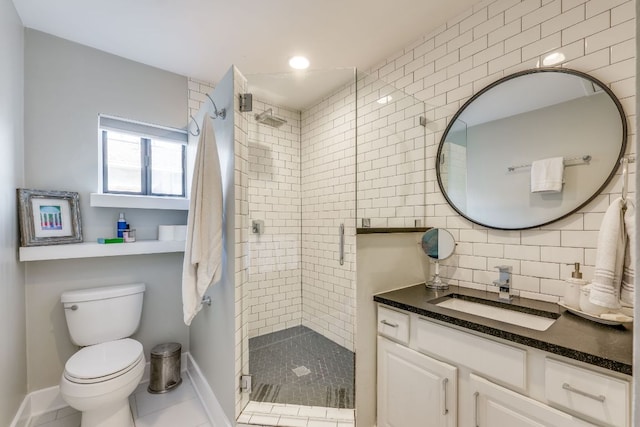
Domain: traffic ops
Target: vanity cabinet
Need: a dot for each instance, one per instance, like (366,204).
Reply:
(433,374)
(414,389)
(496,406)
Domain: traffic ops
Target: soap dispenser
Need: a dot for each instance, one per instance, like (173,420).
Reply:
(574,286)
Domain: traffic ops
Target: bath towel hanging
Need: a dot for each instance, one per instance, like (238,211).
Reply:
(202,264)
(627,287)
(610,256)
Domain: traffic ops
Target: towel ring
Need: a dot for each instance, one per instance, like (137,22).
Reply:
(198,127)
(222,113)
(624,161)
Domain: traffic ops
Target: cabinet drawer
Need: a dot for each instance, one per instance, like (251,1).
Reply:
(498,361)
(393,324)
(587,393)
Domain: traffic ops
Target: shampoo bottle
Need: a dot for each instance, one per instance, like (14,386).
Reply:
(573,288)
(122,224)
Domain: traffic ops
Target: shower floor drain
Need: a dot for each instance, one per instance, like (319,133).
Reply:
(301,371)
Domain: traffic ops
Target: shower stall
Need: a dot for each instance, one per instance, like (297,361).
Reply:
(298,312)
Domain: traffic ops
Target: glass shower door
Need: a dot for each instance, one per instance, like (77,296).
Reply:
(299,299)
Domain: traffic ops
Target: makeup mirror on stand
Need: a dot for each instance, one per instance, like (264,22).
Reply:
(438,244)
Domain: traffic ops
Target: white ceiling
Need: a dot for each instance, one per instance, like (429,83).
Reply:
(202,38)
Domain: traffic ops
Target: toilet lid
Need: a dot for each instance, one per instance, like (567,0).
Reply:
(103,359)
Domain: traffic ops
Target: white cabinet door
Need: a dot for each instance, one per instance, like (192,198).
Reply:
(414,390)
(496,406)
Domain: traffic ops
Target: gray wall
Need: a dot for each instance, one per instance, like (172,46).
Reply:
(516,140)
(66,86)
(13,386)
(385,262)
(212,332)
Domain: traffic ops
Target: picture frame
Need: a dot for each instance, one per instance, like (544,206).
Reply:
(49,217)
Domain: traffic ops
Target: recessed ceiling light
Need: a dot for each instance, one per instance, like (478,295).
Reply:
(553,59)
(299,63)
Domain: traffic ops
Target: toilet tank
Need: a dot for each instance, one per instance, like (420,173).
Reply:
(103,314)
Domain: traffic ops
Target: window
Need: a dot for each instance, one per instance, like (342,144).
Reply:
(142,159)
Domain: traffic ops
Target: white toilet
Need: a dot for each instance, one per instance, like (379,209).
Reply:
(99,378)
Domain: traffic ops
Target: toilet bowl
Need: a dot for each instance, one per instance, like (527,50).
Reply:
(98,379)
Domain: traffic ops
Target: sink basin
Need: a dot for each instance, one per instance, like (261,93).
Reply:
(532,319)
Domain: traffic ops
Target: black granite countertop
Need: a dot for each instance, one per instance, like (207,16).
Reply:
(570,336)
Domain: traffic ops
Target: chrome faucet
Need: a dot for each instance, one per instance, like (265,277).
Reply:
(504,283)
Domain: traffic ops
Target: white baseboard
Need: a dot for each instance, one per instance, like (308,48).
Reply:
(21,418)
(49,399)
(36,403)
(205,394)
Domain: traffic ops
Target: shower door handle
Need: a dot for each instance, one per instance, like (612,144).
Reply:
(341,244)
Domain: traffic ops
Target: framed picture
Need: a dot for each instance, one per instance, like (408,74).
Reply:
(49,217)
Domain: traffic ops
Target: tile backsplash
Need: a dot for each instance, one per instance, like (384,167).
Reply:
(491,40)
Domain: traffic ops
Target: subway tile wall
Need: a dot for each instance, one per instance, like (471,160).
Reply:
(328,200)
(241,195)
(493,39)
(308,162)
(391,155)
(275,295)
(197,96)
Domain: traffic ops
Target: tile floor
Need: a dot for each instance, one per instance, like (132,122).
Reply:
(287,415)
(180,407)
(299,366)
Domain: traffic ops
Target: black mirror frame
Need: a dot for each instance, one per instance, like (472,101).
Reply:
(513,76)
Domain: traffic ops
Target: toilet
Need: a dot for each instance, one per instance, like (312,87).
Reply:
(99,378)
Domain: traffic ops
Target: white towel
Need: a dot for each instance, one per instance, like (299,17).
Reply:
(610,254)
(547,175)
(627,288)
(202,264)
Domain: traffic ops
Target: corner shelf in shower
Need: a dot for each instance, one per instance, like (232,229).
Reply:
(94,250)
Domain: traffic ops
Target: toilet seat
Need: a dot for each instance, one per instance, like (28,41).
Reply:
(104,361)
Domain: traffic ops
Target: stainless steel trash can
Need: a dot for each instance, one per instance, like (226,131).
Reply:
(165,367)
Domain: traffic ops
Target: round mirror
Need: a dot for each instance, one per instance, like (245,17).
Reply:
(438,244)
(484,161)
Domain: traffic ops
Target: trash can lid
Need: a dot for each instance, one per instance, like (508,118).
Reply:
(165,350)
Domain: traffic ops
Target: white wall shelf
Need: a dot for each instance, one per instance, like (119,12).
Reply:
(92,250)
(100,200)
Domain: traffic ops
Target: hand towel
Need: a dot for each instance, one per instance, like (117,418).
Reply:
(610,254)
(202,263)
(627,288)
(547,175)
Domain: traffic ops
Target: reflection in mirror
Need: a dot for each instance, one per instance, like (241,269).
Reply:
(437,244)
(485,155)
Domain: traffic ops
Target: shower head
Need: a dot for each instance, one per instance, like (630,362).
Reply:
(267,118)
